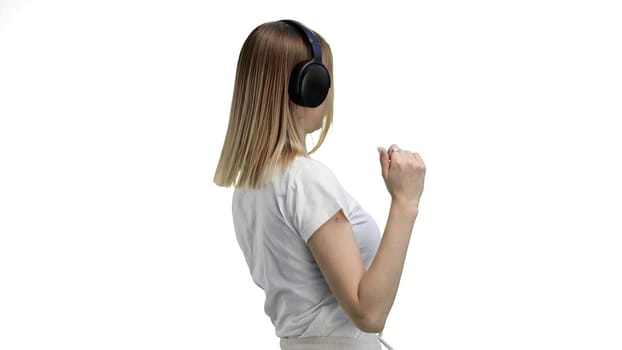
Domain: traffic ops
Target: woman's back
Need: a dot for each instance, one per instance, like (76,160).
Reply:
(273,225)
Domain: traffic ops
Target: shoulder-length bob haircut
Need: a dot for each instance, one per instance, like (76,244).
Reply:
(263,134)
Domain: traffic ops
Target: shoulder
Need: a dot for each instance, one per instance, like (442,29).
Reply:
(305,170)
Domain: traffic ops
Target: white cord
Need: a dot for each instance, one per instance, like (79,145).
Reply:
(386,345)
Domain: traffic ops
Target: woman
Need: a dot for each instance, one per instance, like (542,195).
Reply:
(329,278)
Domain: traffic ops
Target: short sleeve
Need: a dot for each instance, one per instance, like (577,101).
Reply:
(314,196)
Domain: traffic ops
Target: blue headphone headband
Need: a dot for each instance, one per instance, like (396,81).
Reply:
(309,81)
(312,40)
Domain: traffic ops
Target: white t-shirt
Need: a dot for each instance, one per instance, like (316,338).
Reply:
(273,225)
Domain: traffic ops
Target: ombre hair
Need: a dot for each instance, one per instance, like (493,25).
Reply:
(263,133)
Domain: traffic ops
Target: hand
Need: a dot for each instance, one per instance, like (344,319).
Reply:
(404,174)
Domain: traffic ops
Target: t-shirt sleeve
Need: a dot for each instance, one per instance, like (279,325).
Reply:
(315,196)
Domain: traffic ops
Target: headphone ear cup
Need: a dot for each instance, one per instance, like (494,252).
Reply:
(309,83)
(294,83)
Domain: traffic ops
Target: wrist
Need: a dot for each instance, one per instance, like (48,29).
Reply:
(410,207)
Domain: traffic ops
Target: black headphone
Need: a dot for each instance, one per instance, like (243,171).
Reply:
(309,81)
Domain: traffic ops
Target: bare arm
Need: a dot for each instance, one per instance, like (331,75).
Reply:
(379,284)
(367,296)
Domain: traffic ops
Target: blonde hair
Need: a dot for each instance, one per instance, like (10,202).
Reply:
(263,133)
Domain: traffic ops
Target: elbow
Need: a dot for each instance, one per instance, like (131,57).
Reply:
(370,324)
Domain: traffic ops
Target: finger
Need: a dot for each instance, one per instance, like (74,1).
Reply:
(418,157)
(391,148)
(384,161)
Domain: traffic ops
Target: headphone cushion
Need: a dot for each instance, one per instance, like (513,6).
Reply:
(309,83)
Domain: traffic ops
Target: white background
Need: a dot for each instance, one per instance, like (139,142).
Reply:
(112,115)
